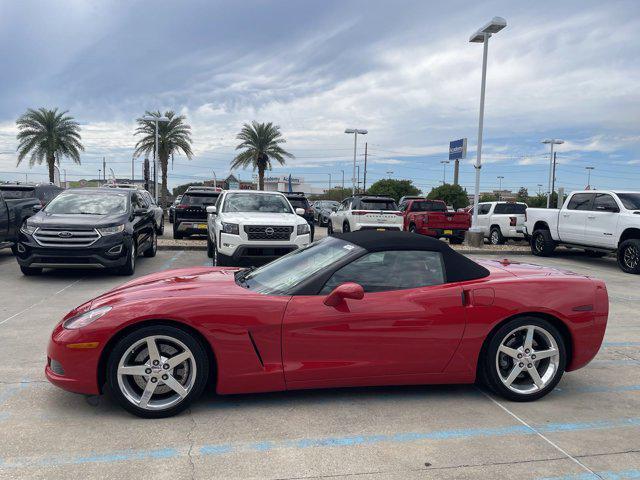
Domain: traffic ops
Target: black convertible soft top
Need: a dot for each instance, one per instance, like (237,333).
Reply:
(458,267)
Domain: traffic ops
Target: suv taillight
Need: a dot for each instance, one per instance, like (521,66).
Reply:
(358,212)
(512,221)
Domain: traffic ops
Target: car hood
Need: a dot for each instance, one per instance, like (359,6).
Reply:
(179,283)
(55,220)
(260,218)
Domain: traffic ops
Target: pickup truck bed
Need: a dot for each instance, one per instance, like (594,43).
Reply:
(431,218)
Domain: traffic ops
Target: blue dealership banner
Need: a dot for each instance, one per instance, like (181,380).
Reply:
(458,149)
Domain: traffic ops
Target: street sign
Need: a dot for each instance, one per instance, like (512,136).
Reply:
(458,149)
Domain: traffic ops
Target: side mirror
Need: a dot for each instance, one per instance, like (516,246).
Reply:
(299,211)
(36,208)
(212,209)
(138,212)
(343,291)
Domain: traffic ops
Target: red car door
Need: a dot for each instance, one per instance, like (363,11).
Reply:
(408,333)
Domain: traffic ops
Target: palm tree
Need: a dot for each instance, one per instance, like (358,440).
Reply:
(260,144)
(173,136)
(48,135)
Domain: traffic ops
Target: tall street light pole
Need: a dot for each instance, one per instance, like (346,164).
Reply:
(444,170)
(588,169)
(156,120)
(552,142)
(355,132)
(500,177)
(482,36)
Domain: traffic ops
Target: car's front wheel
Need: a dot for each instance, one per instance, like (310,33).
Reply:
(524,360)
(30,271)
(157,371)
(130,265)
(210,247)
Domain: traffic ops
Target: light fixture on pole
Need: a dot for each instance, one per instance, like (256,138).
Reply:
(500,177)
(156,120)
(444,170)
(355,132)
(588,169)
(482,36)
(552,142)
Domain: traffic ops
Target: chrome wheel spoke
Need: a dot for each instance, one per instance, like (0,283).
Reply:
(535,376)
(154,354)
(513,353)
(542,354)
(174,385)
(528,341)
(147,394)
(176,360)
(513,375)
(133,370)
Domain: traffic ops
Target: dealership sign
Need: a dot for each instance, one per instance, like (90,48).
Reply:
(458,149)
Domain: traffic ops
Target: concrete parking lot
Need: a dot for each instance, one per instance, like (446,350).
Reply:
(590,423)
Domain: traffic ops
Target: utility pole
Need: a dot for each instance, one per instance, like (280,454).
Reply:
(539,189)
(104,169)
(500,177)
(588,169)
(342,179)
(358,183)
(364,179)
(133,157)
(444,170)
(553,176)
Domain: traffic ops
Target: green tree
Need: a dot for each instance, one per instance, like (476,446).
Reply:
(174,137)
(488,197)
(48,135)
(522,195)
(260,143)
(393,188)
(180,189)
(451,194)
(337,193)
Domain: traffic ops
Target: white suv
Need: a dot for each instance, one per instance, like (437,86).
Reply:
(251,225)
(500,221)
(366,212)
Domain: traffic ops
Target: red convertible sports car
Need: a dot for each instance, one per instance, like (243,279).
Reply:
(362,308)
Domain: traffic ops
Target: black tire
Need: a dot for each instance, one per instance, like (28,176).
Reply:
(170,218)
(489,363)
(412,228)
(629,256)
(223,260)
(30,271)
(346,228)
(153,248)
(176,235)
(210,247)
(456,240)
(496,237)
(595,253)
(161,229)
(130,266)
(330,228)
(312,231)
(542,245)
(201,376)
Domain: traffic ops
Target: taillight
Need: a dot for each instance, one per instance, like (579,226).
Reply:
(358,212)
(512,221)
(182,207)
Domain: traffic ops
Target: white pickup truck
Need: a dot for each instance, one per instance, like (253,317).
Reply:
(598,221)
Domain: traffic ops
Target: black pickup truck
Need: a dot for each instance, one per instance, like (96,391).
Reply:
(190,217)
(17,202)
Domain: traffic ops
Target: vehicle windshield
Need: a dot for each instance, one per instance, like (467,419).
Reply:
(631,201)
(88,204)
(256,202)
(199,199)
(17,193)
(375,204)
(428,207)
(285,273)
(299,203)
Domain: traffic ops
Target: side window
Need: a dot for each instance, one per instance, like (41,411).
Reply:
(605,202)
(484,208)
(219,203)
(391,270)
(137,202)
(581,201)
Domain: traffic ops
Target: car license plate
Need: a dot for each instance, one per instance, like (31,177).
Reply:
(202,226)
(381,229)
(448,232)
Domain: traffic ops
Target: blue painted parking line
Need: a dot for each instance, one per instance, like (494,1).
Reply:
(606,475)
(318,442)
(169,263)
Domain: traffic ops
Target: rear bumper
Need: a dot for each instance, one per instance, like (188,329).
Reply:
(442,232)
(376,226)
(191,226)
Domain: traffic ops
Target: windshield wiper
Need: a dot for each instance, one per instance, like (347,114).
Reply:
(241,276)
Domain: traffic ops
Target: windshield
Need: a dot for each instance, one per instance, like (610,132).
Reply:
(256,202)
(199,199)
(16,193)
(373,204)
(631,201)
(283,274)
(88,204)
(299,203)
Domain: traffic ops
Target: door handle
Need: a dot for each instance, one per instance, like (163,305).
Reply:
(591,217)
(565,214)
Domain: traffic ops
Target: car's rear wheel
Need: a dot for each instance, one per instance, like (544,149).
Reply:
(153,248)
(629,256)
(346,228)
(525,359)
(330,228)
(412,228)
(496,237)
(161,229)
(456,240)
(542,244)
(157,371)
(176,234)
(30,271)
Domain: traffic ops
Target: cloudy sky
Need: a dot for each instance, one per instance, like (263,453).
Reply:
(404,70)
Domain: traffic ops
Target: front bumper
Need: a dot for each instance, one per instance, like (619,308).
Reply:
(107,252)
(236,247)
(71,368)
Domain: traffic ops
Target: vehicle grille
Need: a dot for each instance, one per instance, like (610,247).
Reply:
(65,238)
(267,232)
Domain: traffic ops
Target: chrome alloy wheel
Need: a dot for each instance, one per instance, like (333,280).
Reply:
(528,359)
(495,239)
(631,257)
(156,372)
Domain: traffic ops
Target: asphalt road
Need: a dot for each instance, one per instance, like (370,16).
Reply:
(591,422)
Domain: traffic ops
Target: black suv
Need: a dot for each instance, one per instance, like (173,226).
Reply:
(190,217)
(299,200)
(88,228)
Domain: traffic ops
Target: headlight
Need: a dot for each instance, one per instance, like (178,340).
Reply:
(231,228)
(27,229)
(111,230)
(85,318)
(303,228)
